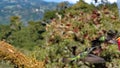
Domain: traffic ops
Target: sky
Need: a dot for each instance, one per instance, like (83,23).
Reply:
(74,1)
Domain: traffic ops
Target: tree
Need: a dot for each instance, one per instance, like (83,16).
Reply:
(49,15)
(62,5)
(15,24)
(5,31)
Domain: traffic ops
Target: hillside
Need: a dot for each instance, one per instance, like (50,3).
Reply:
(26,9)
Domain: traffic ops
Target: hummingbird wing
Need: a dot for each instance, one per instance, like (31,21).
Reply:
(93,59)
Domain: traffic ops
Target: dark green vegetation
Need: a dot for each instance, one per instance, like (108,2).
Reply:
(73,26)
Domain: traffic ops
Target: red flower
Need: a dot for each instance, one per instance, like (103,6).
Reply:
(68,25)
(86,36)
(118,42)
(75,30)
(106,12)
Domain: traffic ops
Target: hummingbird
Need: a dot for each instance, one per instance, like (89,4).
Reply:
(86,56)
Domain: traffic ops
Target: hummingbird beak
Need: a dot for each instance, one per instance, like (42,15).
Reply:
(112,42)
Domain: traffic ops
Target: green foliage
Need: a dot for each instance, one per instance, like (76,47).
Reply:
(86,26)
(15,24)
(62,6)
(83,6)
(5,31)
(49,15)
(6,64)
(74,26)
(22,36)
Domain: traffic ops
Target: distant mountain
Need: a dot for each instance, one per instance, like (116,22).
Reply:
(26,9)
